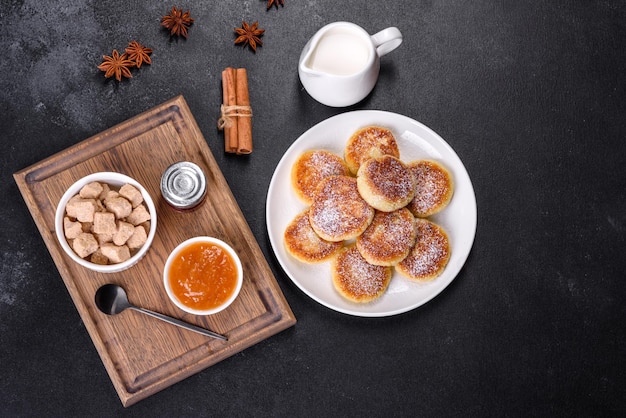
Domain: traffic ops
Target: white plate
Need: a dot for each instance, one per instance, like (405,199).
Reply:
(416,141)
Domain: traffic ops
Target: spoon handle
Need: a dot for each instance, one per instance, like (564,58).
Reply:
(180,323)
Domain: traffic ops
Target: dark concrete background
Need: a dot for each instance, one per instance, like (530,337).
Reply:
(530,94)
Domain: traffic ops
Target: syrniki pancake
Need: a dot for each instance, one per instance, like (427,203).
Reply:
(434,187)
(389,238)
(386,183)
(368,142)
(430,254)
(356,279)
(313,166)
(338,211)
(304,244)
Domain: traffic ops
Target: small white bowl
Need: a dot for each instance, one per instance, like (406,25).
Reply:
(174,254)
(112,179)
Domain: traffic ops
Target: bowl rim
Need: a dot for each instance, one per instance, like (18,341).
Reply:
(177,250)
(115,179)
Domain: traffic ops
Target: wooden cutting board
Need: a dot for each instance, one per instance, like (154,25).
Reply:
(142,354)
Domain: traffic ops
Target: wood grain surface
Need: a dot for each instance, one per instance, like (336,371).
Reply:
(142,354)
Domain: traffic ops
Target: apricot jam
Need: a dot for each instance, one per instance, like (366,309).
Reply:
(203,275)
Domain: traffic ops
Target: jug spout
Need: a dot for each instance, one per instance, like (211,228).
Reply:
(306,57)
(310,72)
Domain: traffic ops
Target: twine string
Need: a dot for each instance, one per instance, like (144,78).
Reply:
(231,112)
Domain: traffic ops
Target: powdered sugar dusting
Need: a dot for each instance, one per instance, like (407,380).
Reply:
(371,141)
(389,237)
(325,164)
(357,279)
(433,188)
(388,177)
(303,243)
(338,211)
(429,255)
(314,166)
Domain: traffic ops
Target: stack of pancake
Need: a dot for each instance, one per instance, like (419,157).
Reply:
(367,214)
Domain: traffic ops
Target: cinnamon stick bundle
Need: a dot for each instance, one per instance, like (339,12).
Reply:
(236,119)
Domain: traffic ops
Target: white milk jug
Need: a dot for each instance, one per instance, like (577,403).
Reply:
(339,65)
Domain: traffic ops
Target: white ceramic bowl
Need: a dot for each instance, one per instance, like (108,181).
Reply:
(113,179)
(174,254)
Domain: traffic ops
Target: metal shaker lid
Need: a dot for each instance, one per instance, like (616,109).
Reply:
(183,185)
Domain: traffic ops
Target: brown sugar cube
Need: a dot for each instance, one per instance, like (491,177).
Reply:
(138,239)
(70,207)
(71,229)
(100,206)
(104,223)
(109,194)
(115,253)
(131,193)
(98,258)
(81,209)
(84,244)
(124,231)
(105,190)
(91,190)
(103,238)
(139,215)
(119,206)
(146,226)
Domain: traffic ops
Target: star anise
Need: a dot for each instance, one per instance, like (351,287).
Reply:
(116,64)
(270,3)
(177,22)
(249,35)
(138,53)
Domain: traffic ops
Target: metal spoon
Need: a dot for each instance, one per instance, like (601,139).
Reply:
(111,299)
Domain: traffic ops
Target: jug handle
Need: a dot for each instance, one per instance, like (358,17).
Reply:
(387,40)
